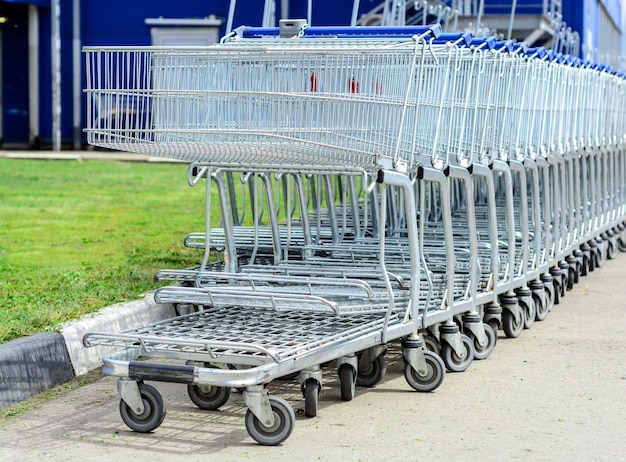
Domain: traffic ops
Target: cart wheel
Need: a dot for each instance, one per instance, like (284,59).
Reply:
(574,275)
(592,260)
(529,313)
(432,344)
(599,258)
(153,414)
(621,244)
(564,281)
(454,362)
(495,326)
(433,377)
(372,373)
(346,379)
(311,397)
(549,299)
(210,397)
(284,421)
(584,267)
(571,275)
(484,351)
(541,309)
(611,249)
(511,328)
(557,292)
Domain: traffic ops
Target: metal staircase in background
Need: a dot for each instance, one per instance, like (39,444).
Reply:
(539,23)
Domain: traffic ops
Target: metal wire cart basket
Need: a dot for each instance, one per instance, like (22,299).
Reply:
(396,184)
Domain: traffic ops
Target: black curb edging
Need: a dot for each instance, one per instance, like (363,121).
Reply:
(30,365)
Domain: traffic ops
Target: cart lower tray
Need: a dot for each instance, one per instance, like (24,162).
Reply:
(249,336)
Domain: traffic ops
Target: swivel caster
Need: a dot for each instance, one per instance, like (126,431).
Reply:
(457,350)
(423,370)
(586,256)
(600,255)
(431,378)
(346,368)
(284,420)
(311,397)
(540,300)
(492,315)
(556,282)
(372,367)
(611,247)
(564,267)
(149,414)
(572,273)
(527,307)
(481,334)
(310,385)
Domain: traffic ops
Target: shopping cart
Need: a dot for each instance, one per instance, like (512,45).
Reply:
(374,185)
(341,311)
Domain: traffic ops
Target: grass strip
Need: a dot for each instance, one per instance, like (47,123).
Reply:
(78,236)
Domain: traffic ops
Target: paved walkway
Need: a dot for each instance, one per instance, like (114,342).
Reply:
(558,392)
(82,155)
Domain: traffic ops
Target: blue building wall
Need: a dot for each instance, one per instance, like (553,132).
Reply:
(118,22)
(15,72)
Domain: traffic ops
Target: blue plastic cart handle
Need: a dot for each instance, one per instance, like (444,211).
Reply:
(488,43)
(368,31)
(523,46)
(538,52)
(344,31)
(464,39)
(505,45)
(558,57)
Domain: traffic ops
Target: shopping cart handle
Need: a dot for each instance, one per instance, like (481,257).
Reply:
(255,32)
(554,56)
(505,45)
(368,31)
(461,39)
(487,43)
(344,31)
(538,52)
(523,46)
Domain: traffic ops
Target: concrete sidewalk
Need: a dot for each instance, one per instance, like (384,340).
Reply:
(558,392)
(82,155)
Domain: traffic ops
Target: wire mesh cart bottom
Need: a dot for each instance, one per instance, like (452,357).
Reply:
(253,346)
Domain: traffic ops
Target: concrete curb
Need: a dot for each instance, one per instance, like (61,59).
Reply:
(112,319)
(31,365)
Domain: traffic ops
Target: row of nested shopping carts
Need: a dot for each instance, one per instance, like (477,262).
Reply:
(372,186)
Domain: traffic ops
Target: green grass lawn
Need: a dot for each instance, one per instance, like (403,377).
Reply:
(79,236)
